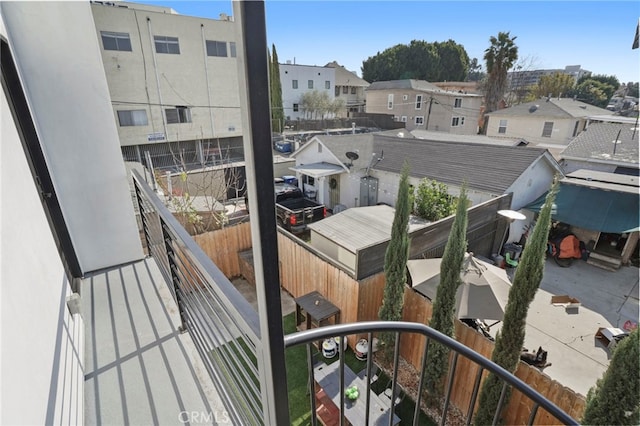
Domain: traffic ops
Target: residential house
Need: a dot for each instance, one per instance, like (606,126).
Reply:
(349,88)
(548,122)
(173,84)
(371,176)
(422,105)
(297,80)
(605,146)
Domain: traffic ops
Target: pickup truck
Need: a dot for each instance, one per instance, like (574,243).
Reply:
(293,211)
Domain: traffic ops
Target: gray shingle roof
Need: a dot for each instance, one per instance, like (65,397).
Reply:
(405,84)
(596,143)
(561,108)
(488,168)
(452,137)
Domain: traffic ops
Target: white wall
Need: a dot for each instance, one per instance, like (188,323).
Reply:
(41,377)
(304,73)
(531,184)
(56,51)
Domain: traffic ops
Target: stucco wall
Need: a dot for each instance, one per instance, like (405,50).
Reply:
(304,73)
(531,128)
(42,381)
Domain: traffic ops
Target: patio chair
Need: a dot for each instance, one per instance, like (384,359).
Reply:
(398,398)
(375,374)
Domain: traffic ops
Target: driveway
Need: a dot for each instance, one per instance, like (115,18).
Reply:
(608,299)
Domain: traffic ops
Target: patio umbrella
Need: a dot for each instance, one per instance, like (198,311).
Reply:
(483,293)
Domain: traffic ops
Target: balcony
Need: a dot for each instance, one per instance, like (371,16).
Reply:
(170,338)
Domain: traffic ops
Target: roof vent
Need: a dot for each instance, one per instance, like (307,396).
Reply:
(534,108)
(583,106)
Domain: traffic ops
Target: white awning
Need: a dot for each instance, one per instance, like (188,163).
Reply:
(317,170)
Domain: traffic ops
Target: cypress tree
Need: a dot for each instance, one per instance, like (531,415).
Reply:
(395,260)
(277,112)
(509,341)
(444,304)
(615,399)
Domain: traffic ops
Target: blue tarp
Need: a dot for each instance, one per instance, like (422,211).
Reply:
(594,208)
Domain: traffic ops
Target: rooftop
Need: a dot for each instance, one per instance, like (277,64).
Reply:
(606,142)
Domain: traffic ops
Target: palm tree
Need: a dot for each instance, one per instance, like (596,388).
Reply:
(500,58)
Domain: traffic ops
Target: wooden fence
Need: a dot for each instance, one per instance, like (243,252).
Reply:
(303,270)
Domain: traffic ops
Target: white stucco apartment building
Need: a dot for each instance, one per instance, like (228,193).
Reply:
(297,80)
(173,82)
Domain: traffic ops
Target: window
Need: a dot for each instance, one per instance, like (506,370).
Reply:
(457,103)
(166,44)
(310,84)
(418,101)
(405,97)
(232,49)
(294,84)
(345,89)
(116,41)
(403,118)
(178,115)
(327,85)
(502,128)
(548,128)
(216,48)
(136,117)
(457,121)
(390,101)
(295,107)
(337,90)
(419,121)
(353,90)
(575,129)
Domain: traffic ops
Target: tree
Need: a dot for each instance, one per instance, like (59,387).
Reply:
(317,104)
(592,92)
(475,71)
(519,89)
(632,89)
(509,341)
(277,111)
(418,60)
(433,202)
(444,303)
(615,399)
(499,58)
(395,259)
(554,85)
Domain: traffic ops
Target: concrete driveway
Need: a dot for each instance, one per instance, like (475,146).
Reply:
(608,299)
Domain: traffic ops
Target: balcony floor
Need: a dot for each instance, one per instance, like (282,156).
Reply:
(139,368)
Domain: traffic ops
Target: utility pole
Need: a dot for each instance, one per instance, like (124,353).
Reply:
(429,112)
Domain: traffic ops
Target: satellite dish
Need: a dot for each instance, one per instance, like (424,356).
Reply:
(352,155)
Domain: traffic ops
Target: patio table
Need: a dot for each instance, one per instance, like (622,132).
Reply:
(328,377)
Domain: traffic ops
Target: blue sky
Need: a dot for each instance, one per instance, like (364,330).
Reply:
(550,34)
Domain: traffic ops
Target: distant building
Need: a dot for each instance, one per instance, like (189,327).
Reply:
(297,80)
(350,88)
(520,79)
(173,82)
(425,106)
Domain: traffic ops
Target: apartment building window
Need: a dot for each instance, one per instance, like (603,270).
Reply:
(295,107)
(232,49)
(327,85)
(165,44)
(216,48)
(390,101)
(345,90)
(353,90)
(457,103)
(116,41)
(310,84)
(418,101)
(337,90)
(178,114)
(294,84)
(136,117)
(457,121)
(419,121)
(502,127)
(548,128)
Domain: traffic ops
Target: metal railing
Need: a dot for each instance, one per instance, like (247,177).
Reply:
(222,324)
(371,328)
